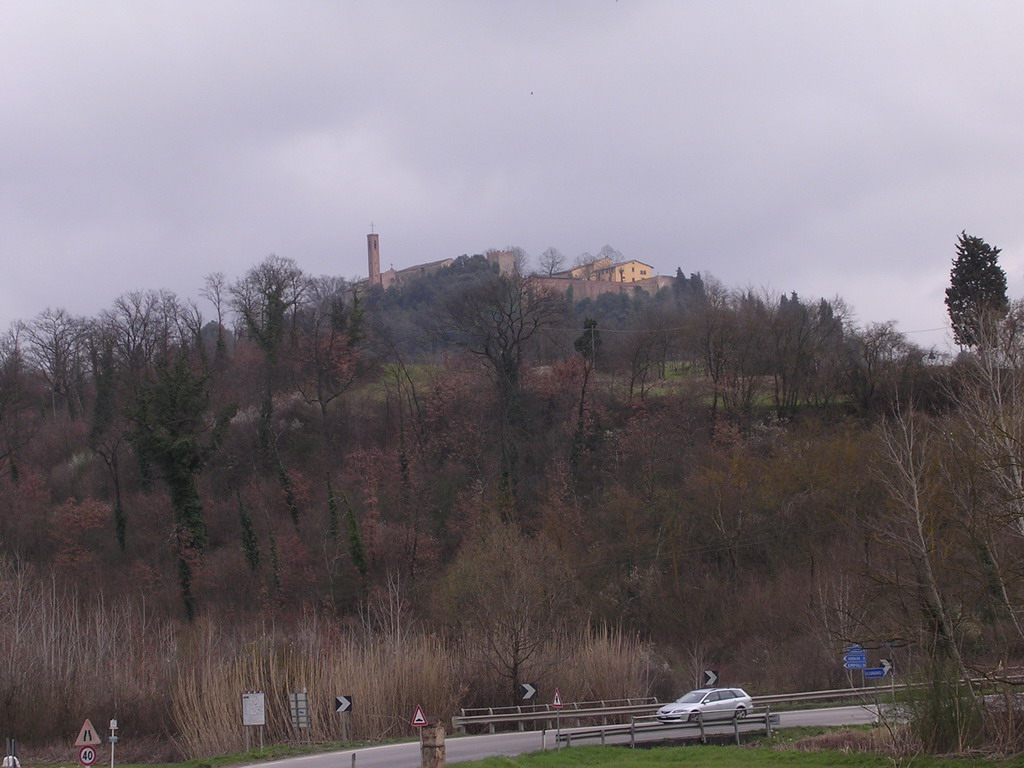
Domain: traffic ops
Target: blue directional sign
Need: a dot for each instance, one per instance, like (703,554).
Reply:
(873,673)
(855,657)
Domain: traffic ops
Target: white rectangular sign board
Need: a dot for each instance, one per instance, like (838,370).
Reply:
(254,711)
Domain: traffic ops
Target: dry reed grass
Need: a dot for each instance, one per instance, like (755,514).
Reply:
(61,656)
(601,664)
(385,677)
(386,681)
(178,690)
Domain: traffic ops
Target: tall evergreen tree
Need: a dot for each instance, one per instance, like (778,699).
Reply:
(977,287)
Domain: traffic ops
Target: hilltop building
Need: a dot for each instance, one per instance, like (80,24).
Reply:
(604,269)
(398,277)
(602,275)
(589,280)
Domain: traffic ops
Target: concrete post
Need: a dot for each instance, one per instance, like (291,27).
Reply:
(432,746)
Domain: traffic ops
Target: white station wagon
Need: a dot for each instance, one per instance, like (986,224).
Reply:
(723,701)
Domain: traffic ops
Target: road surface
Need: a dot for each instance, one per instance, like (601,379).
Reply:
(462,749)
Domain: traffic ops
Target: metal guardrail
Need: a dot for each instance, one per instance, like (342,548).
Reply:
(490,717)
(545,713)
(761,717)
(621,708)
(838,694)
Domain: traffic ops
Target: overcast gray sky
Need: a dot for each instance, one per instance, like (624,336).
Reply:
(823,147)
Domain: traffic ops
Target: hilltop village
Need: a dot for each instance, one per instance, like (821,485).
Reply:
(587,280)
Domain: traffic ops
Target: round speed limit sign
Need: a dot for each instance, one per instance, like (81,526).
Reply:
(87,755)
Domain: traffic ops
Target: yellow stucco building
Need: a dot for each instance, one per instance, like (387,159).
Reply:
(606,270)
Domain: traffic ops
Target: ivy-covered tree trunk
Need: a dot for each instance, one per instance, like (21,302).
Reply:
(169,418)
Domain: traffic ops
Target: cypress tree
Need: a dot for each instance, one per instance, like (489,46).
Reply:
(977,287)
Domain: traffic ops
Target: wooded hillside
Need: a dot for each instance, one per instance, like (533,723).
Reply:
(606,497)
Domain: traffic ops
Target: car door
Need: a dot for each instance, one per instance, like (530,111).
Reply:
(712,702)
(724,701)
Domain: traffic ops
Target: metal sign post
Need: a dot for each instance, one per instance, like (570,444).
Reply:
(556,704)
(254,713)
(343,706)
(113,740)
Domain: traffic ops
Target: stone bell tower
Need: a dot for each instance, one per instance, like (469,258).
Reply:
(373,257)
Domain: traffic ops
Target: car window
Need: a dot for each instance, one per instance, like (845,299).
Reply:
(713,696)
(691,698)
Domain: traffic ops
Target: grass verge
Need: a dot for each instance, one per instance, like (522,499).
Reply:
(727,757)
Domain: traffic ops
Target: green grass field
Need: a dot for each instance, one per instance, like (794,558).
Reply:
(790,747)
(727,757)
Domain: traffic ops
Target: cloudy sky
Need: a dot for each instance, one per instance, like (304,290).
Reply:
(825,147)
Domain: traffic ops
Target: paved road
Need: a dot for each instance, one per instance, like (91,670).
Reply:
(467,748)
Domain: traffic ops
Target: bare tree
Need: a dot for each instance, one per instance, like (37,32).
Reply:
(648,350)
(328,345)
(727,333)
(496,320)
(551,261)
(805,345)
(124,346)
(987,436)
(910,472)
(263,301)
(875,360)
(53,345)
(509,595)
(108,430)
(521,260)
(990,392)
(215,291)
(145,325)
(584,263)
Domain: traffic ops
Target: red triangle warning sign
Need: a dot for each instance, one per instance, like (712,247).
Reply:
(557,702)
(87,737)
(418,718)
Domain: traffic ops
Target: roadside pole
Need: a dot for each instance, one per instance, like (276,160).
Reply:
(343,706)
(113,740)
(556,704)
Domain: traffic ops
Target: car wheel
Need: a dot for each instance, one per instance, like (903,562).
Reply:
(741,712)
(692,718)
